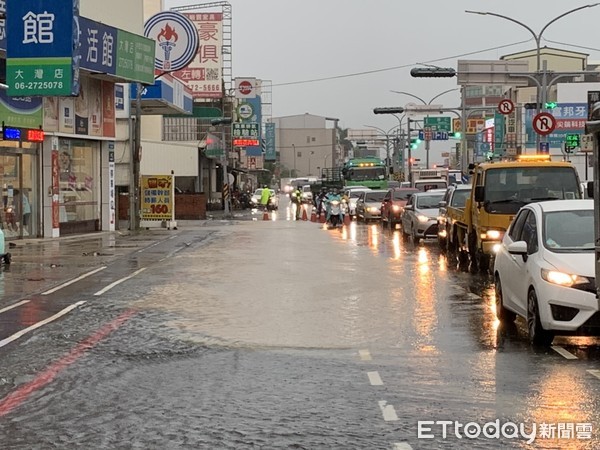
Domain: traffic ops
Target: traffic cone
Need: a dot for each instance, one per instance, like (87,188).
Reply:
(304,216)
(346,219)
(266,215)
(313,216)
(322,218)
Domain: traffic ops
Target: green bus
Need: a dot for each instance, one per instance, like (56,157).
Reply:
(370,172)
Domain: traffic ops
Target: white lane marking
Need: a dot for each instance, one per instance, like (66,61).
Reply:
(365,355)
(594,372)
(75,280)
(16,305)
(61,313)
(112,285)
(388,411)
(375,379)
(562,352)
(402,446)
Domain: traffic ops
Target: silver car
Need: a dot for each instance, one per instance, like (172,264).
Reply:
(368,205)
(419,218)
(353,195)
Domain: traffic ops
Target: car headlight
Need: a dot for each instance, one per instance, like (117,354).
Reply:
(396,208)
(441,219)
(563,279)
(421,218)
(493,235)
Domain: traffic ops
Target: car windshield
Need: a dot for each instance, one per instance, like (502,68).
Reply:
(404,194)
(507,189)
(429,201)
(258,192)
(460,197)
(374,196)
(355,194)
(567,231)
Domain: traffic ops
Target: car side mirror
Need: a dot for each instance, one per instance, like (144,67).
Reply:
(479,193)
(409,208)
(590,189)
(517,248)
(443,204)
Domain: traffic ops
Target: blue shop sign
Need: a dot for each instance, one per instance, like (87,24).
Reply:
(40,28)
(98,46)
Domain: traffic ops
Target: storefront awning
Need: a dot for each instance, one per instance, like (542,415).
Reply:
(166,96)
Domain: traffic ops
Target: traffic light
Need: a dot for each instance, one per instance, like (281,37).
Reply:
(455,135)
(414,143)
(551,105)
(532,106)
(389,110)
(432,72)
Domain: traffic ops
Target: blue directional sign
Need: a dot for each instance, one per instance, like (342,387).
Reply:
(435,135)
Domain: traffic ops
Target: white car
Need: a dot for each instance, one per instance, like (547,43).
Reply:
(353,195)
(419,218)
(544,270)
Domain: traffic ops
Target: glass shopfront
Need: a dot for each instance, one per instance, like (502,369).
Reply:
(79,186)
(20,213)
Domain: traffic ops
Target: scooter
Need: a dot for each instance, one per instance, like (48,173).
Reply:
(336,219)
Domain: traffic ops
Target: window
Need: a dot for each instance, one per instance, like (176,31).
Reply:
(517,225)
(529,234)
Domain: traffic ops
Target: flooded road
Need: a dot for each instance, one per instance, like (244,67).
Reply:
(282,334)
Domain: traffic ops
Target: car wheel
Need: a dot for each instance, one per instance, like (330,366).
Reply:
(403,233)
(415,239)
(537,334)
(451,244)
(483,261)
(503,314)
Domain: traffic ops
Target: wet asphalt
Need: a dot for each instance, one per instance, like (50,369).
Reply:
(251,333)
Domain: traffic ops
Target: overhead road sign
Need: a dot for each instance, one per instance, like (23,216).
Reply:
(473,71)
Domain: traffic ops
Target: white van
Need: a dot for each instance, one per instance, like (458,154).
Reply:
(427,184)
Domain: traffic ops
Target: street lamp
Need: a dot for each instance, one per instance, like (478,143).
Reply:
(387,143)
(537,37)
(427,142)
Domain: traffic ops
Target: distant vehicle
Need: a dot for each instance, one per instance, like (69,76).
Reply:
(368,205)
(393,204)
(453,202)
(353,194)
(370,172)
(545,270)
(419,219)
(307,195)
(255,199)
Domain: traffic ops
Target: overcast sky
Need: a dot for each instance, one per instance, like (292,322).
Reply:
(292,42)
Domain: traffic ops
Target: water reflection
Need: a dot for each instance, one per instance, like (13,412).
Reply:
(425,318)
(373,237)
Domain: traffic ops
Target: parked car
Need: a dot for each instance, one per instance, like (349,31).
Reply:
(419,219)
(393,204)
(353,195)
(455,198)
(368,205)
(544,270)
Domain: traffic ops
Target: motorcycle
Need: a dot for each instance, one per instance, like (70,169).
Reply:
(335,214)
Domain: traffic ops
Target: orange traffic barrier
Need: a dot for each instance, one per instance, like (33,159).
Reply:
(346,219)
(304,216)
(313,216)
(322,217)
(266,215)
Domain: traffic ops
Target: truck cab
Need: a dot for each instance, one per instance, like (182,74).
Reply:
(500,189)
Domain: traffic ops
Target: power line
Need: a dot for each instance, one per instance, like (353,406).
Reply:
(387,69)
(572,45)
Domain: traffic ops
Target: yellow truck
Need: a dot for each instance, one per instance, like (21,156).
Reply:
(499,190)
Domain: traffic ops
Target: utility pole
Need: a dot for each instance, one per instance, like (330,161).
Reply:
(225,189)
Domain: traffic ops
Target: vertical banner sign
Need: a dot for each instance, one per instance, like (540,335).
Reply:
(108,109)
(156,197)
(499,132)
(270,153)
(55,185)
(42,52)
(111,183)
(204,74)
